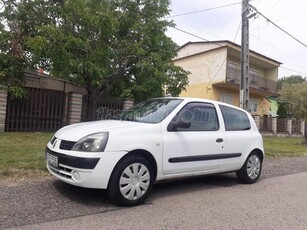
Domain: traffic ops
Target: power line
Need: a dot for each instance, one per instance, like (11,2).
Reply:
(279,27)
(260,3)
(293,70)
(278,48)
(287,16)
(273,6)
(186,32)
(201,38)
(199,11)
(226,56)
(196,36)
(198,29)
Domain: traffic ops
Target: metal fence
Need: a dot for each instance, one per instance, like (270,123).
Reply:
(41,110)
(265,124)
(104,108)
(282,125)
(255,81)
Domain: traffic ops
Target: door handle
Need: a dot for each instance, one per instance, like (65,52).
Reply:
(219,140)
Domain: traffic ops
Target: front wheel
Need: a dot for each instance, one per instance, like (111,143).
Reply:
(251,170)
(131,181)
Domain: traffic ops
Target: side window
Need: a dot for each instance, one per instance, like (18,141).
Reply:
(199,116)
(235,119)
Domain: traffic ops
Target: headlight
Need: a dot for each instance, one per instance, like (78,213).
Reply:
(92,143)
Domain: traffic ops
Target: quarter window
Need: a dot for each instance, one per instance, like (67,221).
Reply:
(235,119)
(202,116)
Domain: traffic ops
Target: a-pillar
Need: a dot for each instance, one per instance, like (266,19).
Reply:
(74,108)
(3,103)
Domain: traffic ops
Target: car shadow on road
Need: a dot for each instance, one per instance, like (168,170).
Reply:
(86,196)
(98,197)
(190,185)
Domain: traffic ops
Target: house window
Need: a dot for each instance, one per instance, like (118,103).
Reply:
(254,77)
(253,105)
(233,72)
(226,98)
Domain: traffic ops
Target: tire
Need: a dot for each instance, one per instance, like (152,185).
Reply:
(131,181)
(251,170)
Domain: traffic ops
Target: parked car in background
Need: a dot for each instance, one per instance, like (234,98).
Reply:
(157,140)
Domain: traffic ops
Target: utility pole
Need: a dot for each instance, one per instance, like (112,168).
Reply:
(244,85)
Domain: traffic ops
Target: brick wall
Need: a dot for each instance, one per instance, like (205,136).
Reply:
(3,102)
(74,108)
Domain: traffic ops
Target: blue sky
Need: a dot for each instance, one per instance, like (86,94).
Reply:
(225,24)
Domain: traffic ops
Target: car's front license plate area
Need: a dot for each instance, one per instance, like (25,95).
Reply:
(52,160)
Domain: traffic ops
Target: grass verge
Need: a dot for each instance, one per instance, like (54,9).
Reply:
(279,146)
(22,154)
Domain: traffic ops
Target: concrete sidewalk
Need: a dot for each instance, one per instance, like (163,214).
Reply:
(273,203)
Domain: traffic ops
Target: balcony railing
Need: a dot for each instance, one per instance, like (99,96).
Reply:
(255,81)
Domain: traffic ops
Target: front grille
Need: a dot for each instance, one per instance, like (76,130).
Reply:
(61,171)
(67,145)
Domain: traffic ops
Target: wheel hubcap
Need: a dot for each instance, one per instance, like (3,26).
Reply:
(134,181)
(253,167)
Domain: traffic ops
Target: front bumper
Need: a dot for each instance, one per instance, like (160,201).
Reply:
(89,172)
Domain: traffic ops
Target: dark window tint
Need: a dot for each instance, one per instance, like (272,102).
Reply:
(235,119)
(202,117)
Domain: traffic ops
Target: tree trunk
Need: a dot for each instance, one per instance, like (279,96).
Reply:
(92,101)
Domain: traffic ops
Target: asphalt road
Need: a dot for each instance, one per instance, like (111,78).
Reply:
(277,201)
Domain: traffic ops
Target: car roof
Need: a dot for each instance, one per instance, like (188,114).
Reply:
(195,99)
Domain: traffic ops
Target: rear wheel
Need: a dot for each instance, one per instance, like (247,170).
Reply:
(131,181)
(251,170)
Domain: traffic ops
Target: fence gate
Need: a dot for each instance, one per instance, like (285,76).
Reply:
(41,110)
(106,108)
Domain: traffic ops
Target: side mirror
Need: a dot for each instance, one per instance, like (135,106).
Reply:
(178,124)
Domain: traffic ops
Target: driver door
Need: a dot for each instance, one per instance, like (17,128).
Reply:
(192,140)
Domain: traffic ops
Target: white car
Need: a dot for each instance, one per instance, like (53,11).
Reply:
(157,140)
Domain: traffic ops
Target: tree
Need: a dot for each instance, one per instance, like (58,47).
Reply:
(282,111)
(12,55)
(293,79)
(295,95)
(114,47)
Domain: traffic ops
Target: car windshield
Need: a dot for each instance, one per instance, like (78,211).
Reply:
(151,111)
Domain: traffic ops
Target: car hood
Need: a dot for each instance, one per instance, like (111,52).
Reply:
(77,131)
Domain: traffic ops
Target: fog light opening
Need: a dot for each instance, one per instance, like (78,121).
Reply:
(76,175)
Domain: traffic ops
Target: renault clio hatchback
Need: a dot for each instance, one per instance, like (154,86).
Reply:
(157,140)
